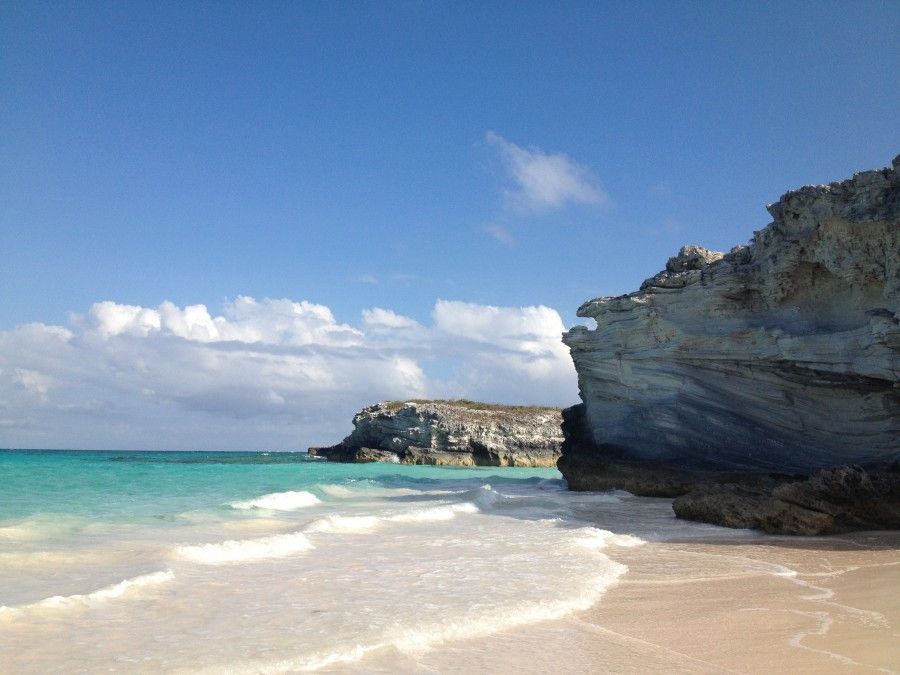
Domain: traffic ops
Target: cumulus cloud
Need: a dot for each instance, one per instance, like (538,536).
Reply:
(243,320)
(274,374)
(543,181)
(379,318)
(511,353)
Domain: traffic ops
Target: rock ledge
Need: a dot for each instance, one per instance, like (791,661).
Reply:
(831,501)
(761,387)
(460,433)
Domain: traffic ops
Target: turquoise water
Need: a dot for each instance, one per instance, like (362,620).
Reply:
(125,486)
(246,563)
(259,562)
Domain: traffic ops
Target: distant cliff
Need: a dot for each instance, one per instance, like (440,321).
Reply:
(463,433)
(781,357)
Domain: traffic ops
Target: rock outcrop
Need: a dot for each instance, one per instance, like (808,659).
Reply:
(778,356)
(739,375)
(833,500)
(461,433)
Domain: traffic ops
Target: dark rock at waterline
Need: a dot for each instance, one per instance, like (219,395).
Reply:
(339,453)
(833,500)
(838,499)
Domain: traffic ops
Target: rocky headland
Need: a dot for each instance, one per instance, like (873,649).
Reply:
(738,381)
(455,433)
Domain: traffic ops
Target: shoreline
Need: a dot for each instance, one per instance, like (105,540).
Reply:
(717,605)
(352,568)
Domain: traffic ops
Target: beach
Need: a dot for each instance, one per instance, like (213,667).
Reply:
(266,563)
(724,607)
(773,604)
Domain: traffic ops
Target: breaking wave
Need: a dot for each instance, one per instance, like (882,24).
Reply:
(345,524)
(366,490)
(447,512)
(279,501)
(245,550)
(62,602)
(596,538)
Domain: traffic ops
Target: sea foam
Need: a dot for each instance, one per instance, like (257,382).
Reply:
(338,524)
(433,513)
(345,524)
(279,501)
(126,587)
(465,626)
(595,538)
(246,550)
(344,492)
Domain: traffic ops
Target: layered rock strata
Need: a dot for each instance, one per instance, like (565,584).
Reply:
(461,433)
(778,356)
(746,368)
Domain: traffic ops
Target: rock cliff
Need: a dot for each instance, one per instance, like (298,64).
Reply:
(781,357)
(461,433)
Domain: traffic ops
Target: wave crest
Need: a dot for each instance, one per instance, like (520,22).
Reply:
(279,501)
(361,489)
(246,550)
(447,512)
(595,538)
(345,524)
(125,587)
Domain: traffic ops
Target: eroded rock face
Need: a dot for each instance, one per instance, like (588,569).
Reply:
(461,433)
(781,356)
(833,500)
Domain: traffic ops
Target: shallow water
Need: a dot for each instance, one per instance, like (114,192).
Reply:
(271,563)
(186,562)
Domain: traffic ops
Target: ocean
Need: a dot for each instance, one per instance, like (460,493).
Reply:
(274,562)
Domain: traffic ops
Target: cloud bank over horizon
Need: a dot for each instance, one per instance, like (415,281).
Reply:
(264,374)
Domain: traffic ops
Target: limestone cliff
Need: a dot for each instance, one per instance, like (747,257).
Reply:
(780,356)
(461,433)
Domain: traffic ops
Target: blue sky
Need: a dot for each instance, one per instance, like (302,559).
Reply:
(391,155)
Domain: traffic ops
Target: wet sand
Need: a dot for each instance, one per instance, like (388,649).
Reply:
(830,605)
(768,604)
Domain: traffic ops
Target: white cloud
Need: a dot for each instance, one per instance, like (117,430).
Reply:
(385,318)
(280,322)
(35,383)
(545,181)
(500,233)
(265,373)
(513,353)
(114,319)
(498,324)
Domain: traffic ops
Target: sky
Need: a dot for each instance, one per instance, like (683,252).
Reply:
(231,225)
